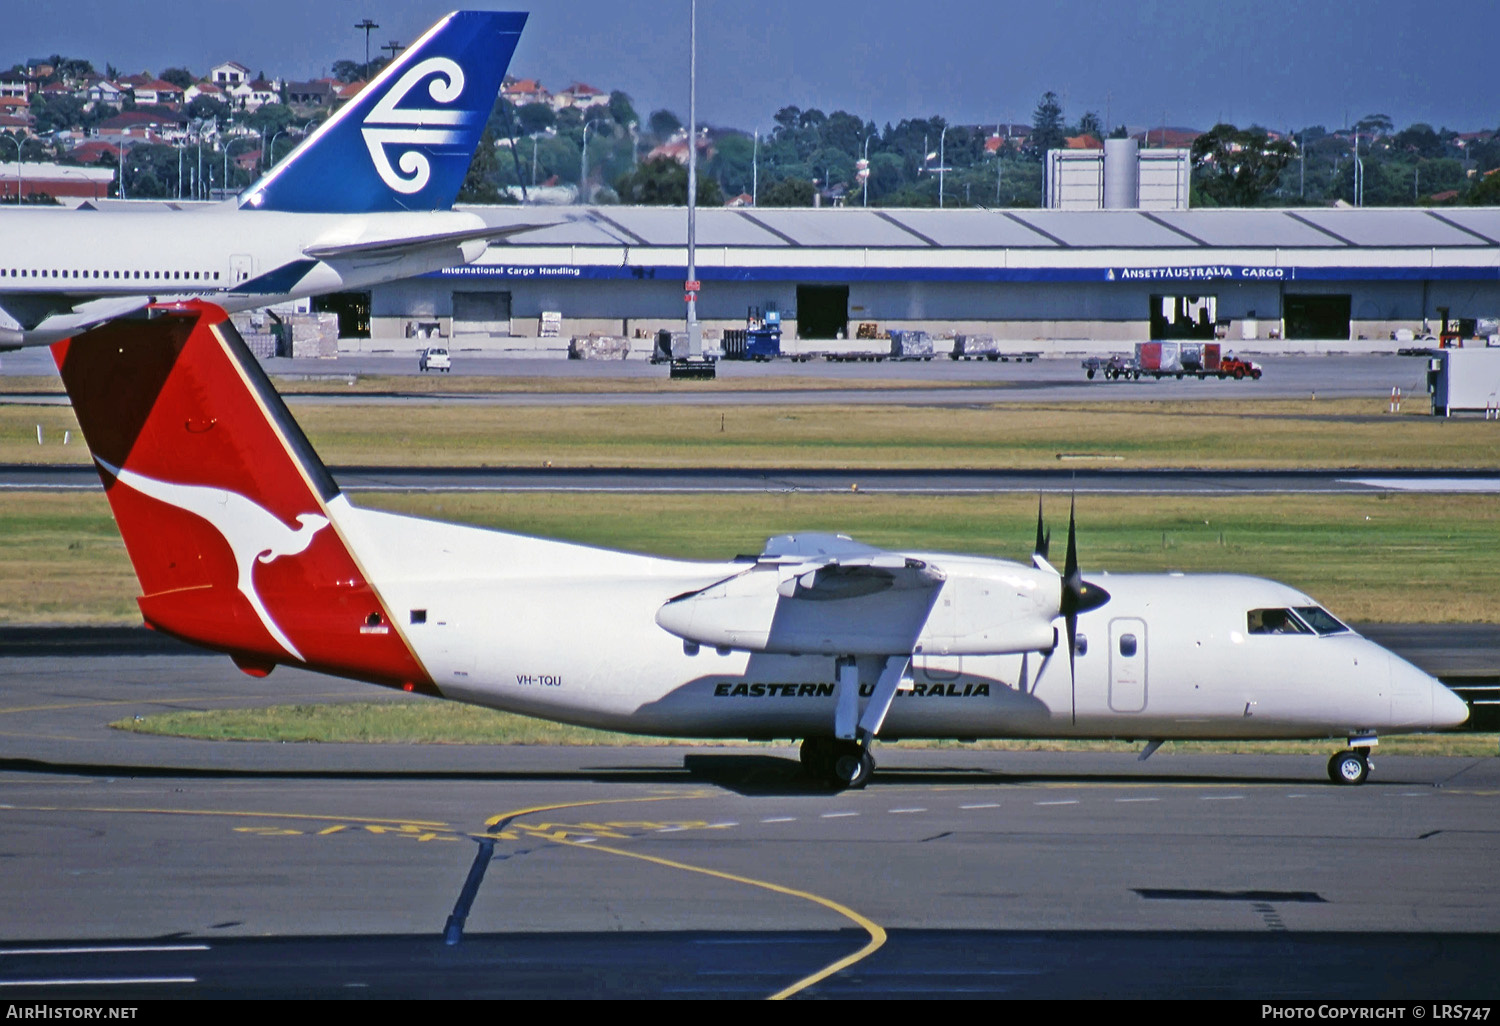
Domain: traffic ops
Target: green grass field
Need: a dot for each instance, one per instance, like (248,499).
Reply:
(1353,433)
(1384,557)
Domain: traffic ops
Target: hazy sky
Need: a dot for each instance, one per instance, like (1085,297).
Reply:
(1282,63)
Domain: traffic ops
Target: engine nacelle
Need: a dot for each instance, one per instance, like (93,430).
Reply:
(992,608)
(941,605)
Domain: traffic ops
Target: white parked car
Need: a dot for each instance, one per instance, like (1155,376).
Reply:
(435,358)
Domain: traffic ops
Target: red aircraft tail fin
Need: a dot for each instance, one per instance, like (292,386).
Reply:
(228,515)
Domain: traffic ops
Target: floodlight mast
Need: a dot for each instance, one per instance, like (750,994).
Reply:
(694,331)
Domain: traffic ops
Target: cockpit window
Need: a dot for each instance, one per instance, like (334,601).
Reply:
(1276,621)
(1320,620)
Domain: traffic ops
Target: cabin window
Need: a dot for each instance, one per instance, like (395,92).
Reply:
(1127,645)
(1320,620)
(419,616)
(1081,644)
(1275,621)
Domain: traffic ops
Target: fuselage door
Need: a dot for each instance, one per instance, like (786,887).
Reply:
(241,267)
(1127,665)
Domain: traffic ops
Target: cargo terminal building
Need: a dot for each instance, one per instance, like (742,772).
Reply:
(1045,280)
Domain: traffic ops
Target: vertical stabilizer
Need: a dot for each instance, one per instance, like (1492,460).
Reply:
(227,513)
(405,141)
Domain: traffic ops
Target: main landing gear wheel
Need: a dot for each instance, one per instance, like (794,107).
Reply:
(1349,767)
(840,764)
(852,767)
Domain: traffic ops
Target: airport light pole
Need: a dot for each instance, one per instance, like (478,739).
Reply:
(17,143)
(583,161)
(864,172)
(227,147)
(942,141)
(271,150)
(755,169)
(694,331)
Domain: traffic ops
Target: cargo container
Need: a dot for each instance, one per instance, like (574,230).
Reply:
(911,345)
(984,347)
(1465,381)
(1173,360)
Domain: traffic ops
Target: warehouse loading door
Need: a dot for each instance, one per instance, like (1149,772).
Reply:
(1183,317)
(481,315)
(1316,317)
(822,311)
(353,309)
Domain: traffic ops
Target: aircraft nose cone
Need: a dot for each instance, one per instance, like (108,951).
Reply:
(1422,700)
(1448,709)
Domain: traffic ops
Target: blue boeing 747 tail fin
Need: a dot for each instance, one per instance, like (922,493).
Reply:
(406,140)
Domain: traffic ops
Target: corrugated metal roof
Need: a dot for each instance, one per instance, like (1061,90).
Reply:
(1386,227)
(907,229)
(1241,228)
(970,228)
(1111,229)
(859,228)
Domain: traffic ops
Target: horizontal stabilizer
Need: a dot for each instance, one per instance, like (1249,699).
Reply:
(392,246)
(63,323)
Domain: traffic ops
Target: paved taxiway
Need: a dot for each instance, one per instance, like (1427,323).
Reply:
(1084,480)
(1060,379)
(184,868)
(281,870)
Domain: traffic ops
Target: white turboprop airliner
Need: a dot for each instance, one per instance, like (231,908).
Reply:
(242,542)
(366,199)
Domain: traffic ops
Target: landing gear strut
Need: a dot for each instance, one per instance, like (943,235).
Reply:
(843,765)
(1349,767)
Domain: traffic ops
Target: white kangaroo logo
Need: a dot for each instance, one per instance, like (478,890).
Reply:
(254,534)
(388,125)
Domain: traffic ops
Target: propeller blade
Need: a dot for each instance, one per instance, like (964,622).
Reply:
(1078,596)
(1072,579)
(1072,624)
(1043,541)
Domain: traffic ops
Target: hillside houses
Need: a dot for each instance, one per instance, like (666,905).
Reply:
(523,91)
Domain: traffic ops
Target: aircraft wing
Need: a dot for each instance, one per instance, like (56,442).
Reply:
(812,593)
(399,245)
(45,318)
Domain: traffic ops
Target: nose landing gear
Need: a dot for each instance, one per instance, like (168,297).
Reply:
(1349,767)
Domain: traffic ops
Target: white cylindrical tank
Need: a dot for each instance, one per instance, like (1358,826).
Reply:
(1122,174)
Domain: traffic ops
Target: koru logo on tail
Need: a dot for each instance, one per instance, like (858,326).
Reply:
(389,125)
(255,535)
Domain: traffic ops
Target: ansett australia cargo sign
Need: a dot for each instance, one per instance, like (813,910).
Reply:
(1211,272)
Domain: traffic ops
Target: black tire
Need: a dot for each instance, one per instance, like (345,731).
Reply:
(1239,373)
(816,754)
(851,767)
(1348,768)
(1091,374)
